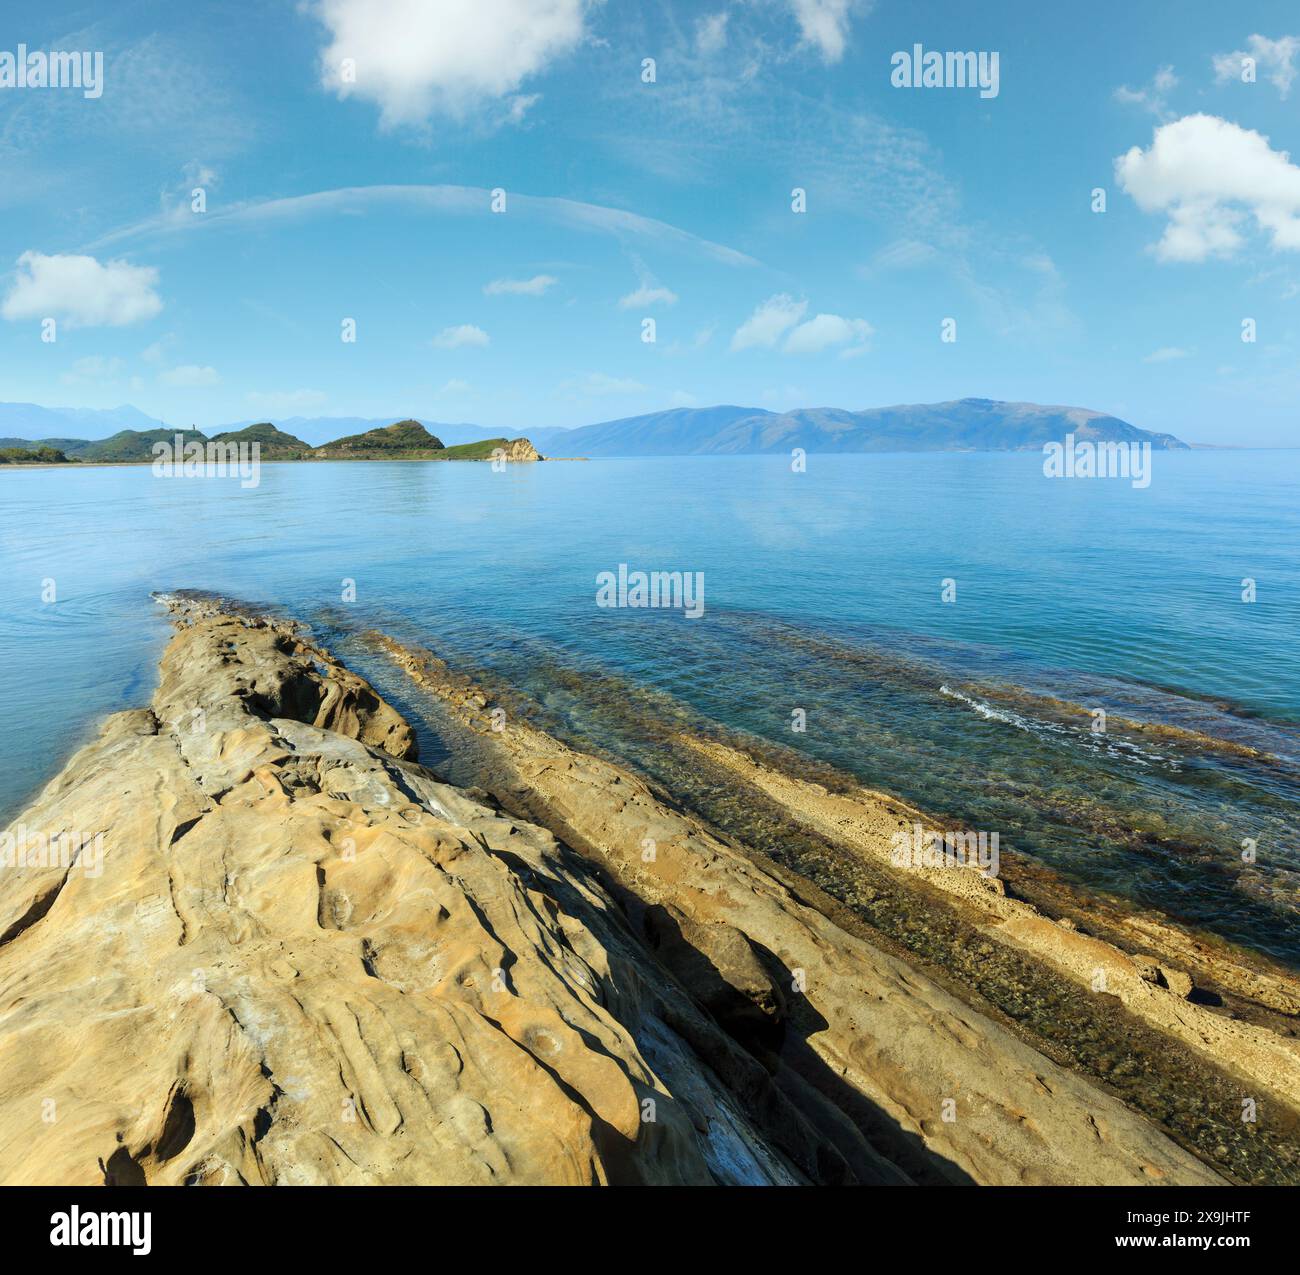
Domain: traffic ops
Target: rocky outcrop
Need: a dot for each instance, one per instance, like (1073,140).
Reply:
(1154,991)
(522,449)
(259,943)
(296,957)
(941,1089)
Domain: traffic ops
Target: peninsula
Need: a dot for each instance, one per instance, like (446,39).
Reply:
(405,440)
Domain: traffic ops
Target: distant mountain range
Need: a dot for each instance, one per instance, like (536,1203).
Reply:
(968,424)
(28,420)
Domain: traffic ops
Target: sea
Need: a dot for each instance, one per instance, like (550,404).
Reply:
(1107,675)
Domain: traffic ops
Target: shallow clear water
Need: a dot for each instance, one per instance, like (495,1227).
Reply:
(822,592)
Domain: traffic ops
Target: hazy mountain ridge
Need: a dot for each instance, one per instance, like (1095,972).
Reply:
(30,420)
(968,424)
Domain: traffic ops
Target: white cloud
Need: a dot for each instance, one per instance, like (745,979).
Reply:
(826,330)
(647,294)
(711,33)
(825,23)
(189,376)
(456,337)
(1207,176)
(416,59)
(1154,97)
(769,322)
(286,402)
(600,383)
(533,287)
(81,291)
(782,316)
(1276,58)
(1166,354)
(455,386)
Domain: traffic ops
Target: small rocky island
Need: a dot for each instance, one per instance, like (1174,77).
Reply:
(298,956)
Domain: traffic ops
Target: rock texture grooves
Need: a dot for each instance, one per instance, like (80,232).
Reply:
(303,959)
(944,1091)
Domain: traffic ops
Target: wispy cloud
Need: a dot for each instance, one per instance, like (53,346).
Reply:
(647,295)
(464,334)
(824,24)
(94,369)
(286,402)
(463,201)
(599,383)
(711,33)
(190,376)
(1153,97)
(533,287)
(1275,59)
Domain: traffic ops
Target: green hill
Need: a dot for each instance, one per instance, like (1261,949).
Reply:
(135,445)
(32,454)
(512,449)
(405,439)
(481,450)
(274,444)
(70,446)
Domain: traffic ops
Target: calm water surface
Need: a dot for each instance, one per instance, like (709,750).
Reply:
(822,592)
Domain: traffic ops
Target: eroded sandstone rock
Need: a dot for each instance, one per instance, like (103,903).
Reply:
(932,1082)
(304,960)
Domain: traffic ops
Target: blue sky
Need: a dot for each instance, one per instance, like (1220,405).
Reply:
(330,197)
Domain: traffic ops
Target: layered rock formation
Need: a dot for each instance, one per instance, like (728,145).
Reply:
(521,449)
(297,956)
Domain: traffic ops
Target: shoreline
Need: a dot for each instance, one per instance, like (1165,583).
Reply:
(789,1037)
(1139,956)
(317,460)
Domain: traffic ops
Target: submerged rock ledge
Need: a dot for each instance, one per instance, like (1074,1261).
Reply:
(305,959)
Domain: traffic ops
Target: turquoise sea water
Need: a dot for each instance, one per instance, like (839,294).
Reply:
(822,592)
